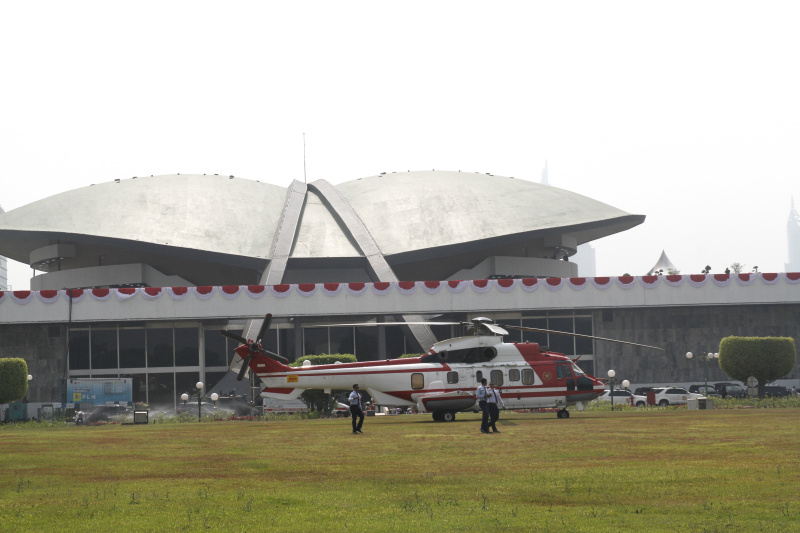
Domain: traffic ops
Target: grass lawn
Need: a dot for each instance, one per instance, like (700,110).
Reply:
(648,470)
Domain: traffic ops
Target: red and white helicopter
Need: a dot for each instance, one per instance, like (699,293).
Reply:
(443,381)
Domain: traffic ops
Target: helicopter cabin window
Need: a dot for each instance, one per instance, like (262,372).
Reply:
(564,371)
(478,376)
(417,380)
(496,377)
(513,374)
(452,377)
(527,376)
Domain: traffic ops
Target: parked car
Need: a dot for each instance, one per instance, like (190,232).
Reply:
(706,390)
(642,391)
(623,396)
(776,391)
(731,390)
(673,396)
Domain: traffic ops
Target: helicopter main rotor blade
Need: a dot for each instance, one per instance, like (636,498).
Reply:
(245,367)
(264,327)
(540,330)
(234,336)
(374,324)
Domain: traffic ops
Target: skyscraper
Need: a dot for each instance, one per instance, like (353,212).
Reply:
(3,268)
(793,238)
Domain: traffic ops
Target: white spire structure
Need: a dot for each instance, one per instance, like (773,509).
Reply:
(793,240)
(663,263)
(545,180)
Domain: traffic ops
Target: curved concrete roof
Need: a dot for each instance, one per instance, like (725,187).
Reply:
(407,218)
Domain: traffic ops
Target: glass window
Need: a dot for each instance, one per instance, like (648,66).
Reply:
(216,348)
(395,342)
(513,374)
(159,347)
(315,341)
(132,349)
(104,348)
(535,336)
(342,340)
(366,343)
(496,377)
(187,349)
(185,382)
(417,380)
(583,325)
(79,349)
(561,343)
(478,376)
(452,377)
(139,386)
(161,390)
(527,376)
(287,343)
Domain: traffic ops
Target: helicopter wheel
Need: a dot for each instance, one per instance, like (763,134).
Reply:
(448,416)
(563,413)
(437,417)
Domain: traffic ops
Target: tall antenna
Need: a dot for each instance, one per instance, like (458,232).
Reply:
(304,158)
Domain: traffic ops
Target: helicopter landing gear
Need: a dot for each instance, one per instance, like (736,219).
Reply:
(562,413)
(444,416)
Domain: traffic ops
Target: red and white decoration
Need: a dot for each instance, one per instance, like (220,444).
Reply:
(307,290)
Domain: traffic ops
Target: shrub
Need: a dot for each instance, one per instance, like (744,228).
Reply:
(13,379)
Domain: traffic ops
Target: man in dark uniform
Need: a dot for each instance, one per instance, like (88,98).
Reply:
(355,409)
(480,395)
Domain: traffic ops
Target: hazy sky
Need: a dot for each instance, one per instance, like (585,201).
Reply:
(686,112)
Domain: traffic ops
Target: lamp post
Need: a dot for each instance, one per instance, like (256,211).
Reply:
(29,385)
(199,386)
(709,357)
(611,381)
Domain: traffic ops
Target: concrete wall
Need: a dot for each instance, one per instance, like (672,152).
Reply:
(43,347)
(684,329)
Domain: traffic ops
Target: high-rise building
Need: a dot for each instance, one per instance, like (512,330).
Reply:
(793,238)
(3,267)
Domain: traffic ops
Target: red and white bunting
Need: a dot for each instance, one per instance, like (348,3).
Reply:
(178,293)
(307,289)
(480,286)
(674,280)
(406,287)
(126,293)
(204,293)
(601,283)
(431,287)
(745,279)
(101,294)
(21,297)
(357,289)
(381,288)
(281,291)
(625,282)
(553,284)
(457,286)
(721,280)
(48,297)
(650,282)
(255,291)
(792,277)
(505,285)
(577,284)
(151,293)
(529,284)
(697,280)
(332,289)
(769,278)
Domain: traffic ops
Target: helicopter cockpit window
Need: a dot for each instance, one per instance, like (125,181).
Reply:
(417,380)
(513,374)
(564,371)
(496,377)
(527,376)
(452,377)
(578,371)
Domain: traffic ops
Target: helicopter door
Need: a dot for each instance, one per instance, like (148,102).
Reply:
(564,372)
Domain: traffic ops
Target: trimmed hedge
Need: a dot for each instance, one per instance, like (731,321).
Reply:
(765,358)
(13,379)
(316,399)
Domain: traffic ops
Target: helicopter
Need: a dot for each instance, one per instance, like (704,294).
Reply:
(442,381)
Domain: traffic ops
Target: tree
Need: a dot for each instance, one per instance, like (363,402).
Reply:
(316,399)
(737,267)
(13,379)
(765,358)
(707,270)
(673,271)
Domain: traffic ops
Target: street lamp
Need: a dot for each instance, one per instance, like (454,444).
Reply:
(611,381)
(199,386)
(29,386)
(709,357)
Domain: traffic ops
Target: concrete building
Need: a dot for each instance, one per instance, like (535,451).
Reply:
(230,250)
(793,238)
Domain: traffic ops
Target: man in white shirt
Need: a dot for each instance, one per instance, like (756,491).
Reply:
(480,395)
(493,398)
(355,409)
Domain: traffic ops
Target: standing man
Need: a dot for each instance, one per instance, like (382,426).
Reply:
(492,399)
(480,395)
(355,409)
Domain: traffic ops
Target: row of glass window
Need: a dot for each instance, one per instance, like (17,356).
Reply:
(107,348)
